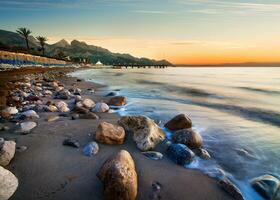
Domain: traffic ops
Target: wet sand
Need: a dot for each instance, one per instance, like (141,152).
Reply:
(49,170)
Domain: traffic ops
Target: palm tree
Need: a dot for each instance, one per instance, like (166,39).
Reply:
(42,40)
(24,32)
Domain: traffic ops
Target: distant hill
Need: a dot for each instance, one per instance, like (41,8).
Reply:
(76,51)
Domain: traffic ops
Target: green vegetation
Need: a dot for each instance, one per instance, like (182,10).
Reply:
(42,40)
(24,32)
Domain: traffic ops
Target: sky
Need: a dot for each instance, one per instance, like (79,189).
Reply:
(181,31)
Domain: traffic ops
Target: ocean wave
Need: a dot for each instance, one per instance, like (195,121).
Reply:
(266,91)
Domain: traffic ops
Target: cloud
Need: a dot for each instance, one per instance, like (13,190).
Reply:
(160,12)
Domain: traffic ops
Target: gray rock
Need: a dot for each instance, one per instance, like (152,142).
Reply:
(8,184)
(71,142)
(7,152)
(90,149)
(31,114)
(146,133)
(153,155)
(230,188)
(26,127)
(267,186)
(4,127)
(21,149)
(180,154)
(88,103)
(202,153)
(88,116)
(100,107)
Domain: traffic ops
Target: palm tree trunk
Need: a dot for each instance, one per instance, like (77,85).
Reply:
(27,43)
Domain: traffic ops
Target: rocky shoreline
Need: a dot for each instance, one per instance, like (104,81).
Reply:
(59,140)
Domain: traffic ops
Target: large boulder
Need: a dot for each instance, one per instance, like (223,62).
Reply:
(107,133)
(146,133)
(88,103)
(179,122)
(8,184)
(188,137)
(180,154)
(7,151)
(119,177)
(267,186)
(117,101)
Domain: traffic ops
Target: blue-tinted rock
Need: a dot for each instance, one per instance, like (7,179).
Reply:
(267,186)
(90,149)
(180,154)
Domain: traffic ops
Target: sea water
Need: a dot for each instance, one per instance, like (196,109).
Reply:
(235,109)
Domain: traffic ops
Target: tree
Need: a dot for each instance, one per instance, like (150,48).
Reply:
(42,40)
(24,32)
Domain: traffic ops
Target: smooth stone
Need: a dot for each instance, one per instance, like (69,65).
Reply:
(100,107)
(21,149)
(78,98)
(71,142)
(26,127)
(30,114)
(47,92)
(230,188)
(7,152)
(179,122)
(8,184)
(63,94)
(52,118)
(146,133)
(188,137)
(110,94)
(52,108)
(32,98)
(88,103)
(88,116)
(62,106)
(4,127)
(80,110)
(180,154)
(267,186)
(90,149)
(2,141)
(9,111)
(107,133)
(153,155)
(202,153)
(119,177)
(117,101)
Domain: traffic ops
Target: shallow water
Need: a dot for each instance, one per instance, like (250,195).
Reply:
(236,110)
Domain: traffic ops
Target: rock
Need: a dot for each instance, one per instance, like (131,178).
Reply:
(88,116)
(7,152)
(62,106)
(32,98)
(117,101)
(71,142)
(26,127)
(2,141)
(111,94)
(107,133)
(267,186)
(31,114)
(202,153)
(179,122)
(63,94)
(52,118)
(153,155)
(4,127)
(100,108)
(78,98)
(47,93)
(230,188)
(88,103)
(81,110)
(90,149)
(38,88)
(75,116)
(119,177)
(188,137)
(7,112)
(8,184)
(146,133)
(21,149)
(180,154)
(52,108)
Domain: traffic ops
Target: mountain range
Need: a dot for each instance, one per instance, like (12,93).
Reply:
(76,50)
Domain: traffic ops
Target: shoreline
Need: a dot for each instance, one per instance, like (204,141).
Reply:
(49,170)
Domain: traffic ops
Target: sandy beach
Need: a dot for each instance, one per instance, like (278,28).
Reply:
(50,170)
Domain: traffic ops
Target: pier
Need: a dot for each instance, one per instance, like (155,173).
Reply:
(121,66)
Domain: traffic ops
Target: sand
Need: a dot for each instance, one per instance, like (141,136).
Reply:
(49,170)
